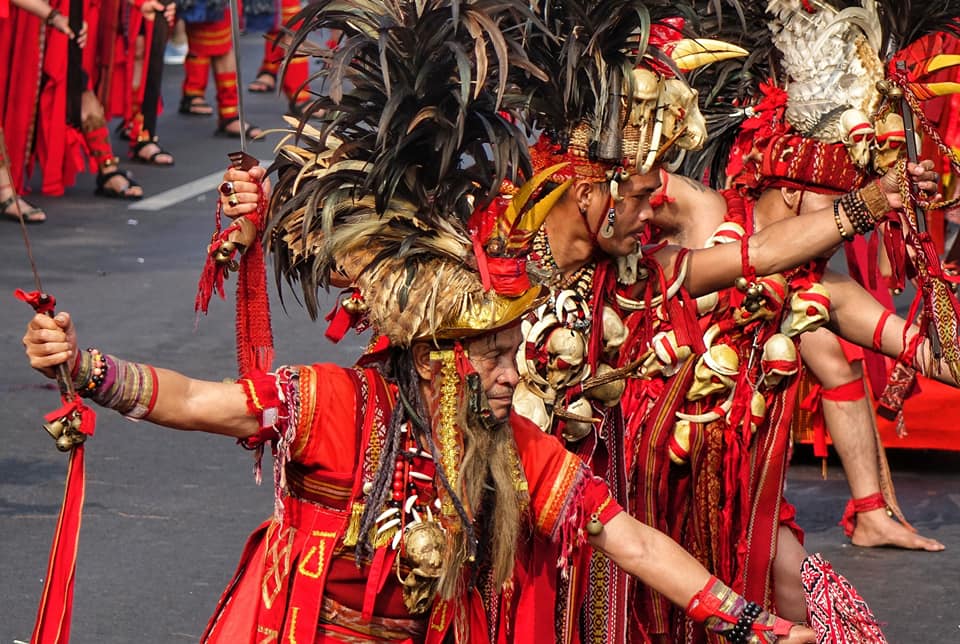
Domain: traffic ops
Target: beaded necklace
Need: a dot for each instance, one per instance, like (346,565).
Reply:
(580,280)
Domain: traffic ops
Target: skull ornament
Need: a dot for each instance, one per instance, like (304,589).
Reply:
(809,309)
(423,545)
(856,133)
(682,113)
(891,140)
(667,356)
(530,404)
(608,393)
(679,445)
(581,423)
(778,360)
(758,409)
(714,372)
(614,331)
(566,354)
(646,91)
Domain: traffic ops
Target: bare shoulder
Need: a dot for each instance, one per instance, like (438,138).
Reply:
(692,194)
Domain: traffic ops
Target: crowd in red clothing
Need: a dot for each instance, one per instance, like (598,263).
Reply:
(74,67)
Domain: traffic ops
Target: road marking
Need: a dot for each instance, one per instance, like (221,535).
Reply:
(180,193)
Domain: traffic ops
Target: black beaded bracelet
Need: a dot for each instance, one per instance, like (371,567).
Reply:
(52,16)
(740,632)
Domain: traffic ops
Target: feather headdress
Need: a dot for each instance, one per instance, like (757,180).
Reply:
(413,131)
(615,94)
(828,56)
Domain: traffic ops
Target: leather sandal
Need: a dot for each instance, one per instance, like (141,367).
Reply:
(152,159)
(103,190)
(195,106)
(251,131)
(31,215)
(260,86)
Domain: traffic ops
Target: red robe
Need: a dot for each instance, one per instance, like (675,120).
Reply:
(723,501)
(296,568)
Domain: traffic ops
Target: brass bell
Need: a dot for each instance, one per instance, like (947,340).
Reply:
(741,283)
(75,422)
(752,306)
(55,429)
(889,89)
(64,443)
(594,526)
(354,305)
(753,291)
(225,252)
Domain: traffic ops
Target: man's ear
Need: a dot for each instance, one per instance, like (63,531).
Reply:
(421,359)
(581,194)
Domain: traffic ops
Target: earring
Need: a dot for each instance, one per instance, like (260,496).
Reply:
(607,231)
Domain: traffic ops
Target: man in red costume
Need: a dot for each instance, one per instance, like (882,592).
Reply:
(709,438)
(209,40)
(34,110)
(407,496)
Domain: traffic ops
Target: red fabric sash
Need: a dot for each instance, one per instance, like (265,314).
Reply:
(56,601)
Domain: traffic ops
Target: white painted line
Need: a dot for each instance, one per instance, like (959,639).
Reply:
(180,193)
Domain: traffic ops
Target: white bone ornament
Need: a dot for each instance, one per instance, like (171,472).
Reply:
(614,331)
(706,381)
(809,309)
(891,141)
(857,133)
(608,394)
(575,430)
(683,112)
(778,360)
(566,354)
(531,406)
(668,352)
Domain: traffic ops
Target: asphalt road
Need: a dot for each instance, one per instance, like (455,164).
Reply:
(167,513)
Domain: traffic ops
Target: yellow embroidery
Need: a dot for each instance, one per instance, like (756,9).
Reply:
(270,635)
(292,630)
(253,394)
(441,612)
(277,563)
(320,550)
(447,431)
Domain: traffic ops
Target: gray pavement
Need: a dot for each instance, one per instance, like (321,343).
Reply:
(167,513)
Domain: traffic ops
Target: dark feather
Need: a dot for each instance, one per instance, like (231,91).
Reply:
(415,91)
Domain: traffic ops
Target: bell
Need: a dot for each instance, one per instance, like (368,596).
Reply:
(594,526)
(889,89)
(75,422)
(752,305)
(55,429)
(741,283)
(64,443)
(353,305)
(225,252)
(753,291)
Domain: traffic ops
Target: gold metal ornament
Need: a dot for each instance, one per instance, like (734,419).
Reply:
(594,525)
(423,546)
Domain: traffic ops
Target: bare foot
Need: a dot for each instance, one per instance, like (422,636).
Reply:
(877,528)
